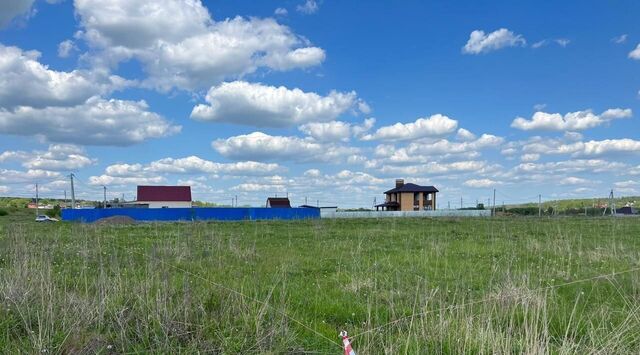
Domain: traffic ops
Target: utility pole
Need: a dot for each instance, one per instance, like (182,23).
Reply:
(236,200)
(613,204)
(460,202)
(610,204)
(65,198)
(318,203)
(448,205)
(73,194)
(104,201)
(539,205)
(37,203)
(305,200)
(494,203)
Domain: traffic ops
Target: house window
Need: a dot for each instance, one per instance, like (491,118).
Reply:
(428,201)
(416,201)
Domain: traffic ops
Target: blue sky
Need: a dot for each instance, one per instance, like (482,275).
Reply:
(324,100)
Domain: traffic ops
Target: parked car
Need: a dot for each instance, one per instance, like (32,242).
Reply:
(43,218)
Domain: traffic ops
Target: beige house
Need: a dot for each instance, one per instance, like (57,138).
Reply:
(409,197)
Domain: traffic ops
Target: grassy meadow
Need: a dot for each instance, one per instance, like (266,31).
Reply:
(450,286)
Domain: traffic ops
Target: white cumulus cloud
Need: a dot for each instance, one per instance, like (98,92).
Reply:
(569,166)
(572,180)
(335,131)
(429,151)
(572,121)
(436,125)
(481,42)
(530,157)
(434,168)
(606,146)
(635,54)
(29,176)
(260,105)
(195,164)
(263,147)
(327,131)
(125,181)
(481,183)
(95,122)
(192,165)
(66,47)
(58,157)
(180,46)
(309,7)
(281,11)
(24,81)
(465,135)
(9,9)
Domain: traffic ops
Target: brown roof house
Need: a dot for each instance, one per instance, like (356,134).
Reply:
(164,196)
(409,197)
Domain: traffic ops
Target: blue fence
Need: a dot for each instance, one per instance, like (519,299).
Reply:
(191,214)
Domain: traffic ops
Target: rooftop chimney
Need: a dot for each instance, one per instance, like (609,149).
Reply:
(399,182)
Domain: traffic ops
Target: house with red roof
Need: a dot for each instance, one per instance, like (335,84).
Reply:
(278,202)
(164,196)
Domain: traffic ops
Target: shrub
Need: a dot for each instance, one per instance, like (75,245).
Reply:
(524,211)
(3,212)
(54,212)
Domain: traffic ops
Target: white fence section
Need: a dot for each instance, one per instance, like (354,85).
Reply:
(414,214)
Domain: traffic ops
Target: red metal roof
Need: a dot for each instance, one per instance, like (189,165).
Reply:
(164,193)
(281,202)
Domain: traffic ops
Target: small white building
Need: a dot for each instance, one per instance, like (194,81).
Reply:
(164,196)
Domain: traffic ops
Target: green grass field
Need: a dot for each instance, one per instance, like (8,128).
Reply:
(396,285)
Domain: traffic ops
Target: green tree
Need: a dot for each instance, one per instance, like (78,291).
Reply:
(54,212)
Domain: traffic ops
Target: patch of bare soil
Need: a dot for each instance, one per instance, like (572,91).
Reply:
(114,220)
